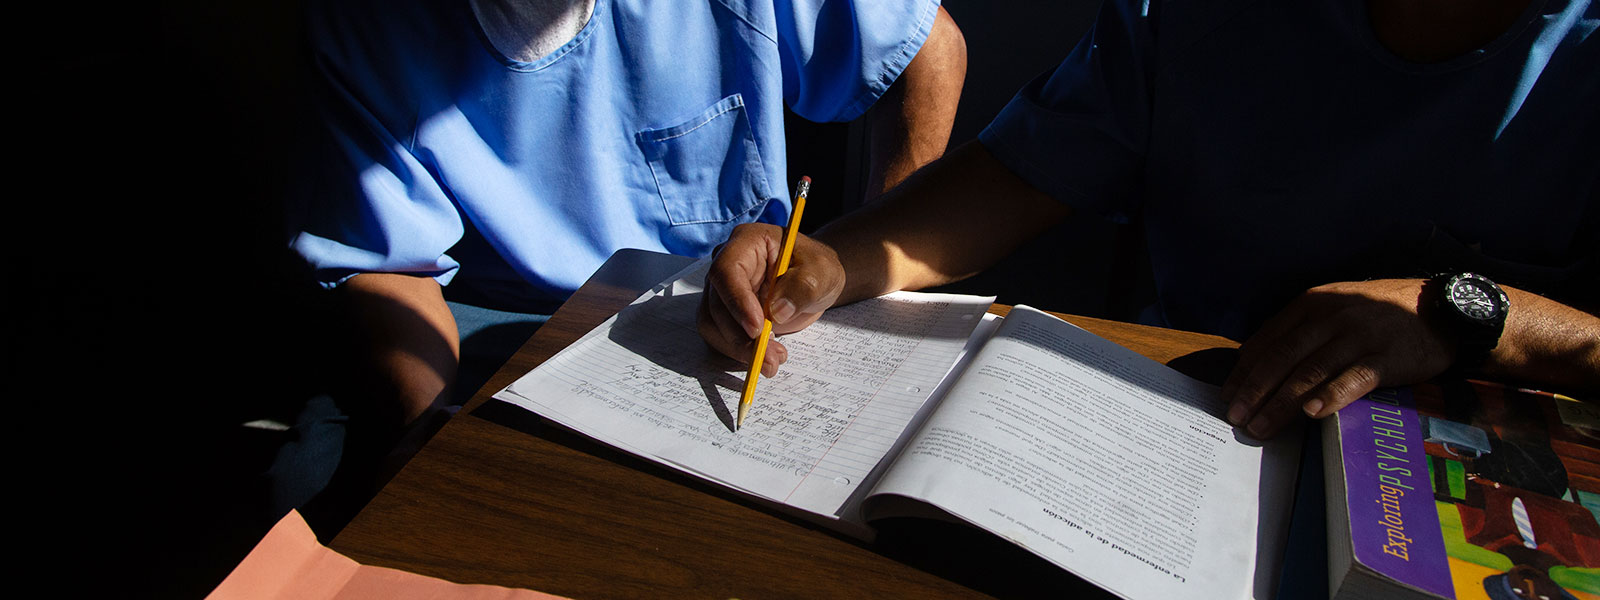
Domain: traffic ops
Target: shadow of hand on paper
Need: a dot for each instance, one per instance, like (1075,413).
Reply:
(864,343)
(1212,366)
(662,331)
(718,406)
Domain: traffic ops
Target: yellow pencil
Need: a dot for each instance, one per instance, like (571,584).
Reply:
(789,235)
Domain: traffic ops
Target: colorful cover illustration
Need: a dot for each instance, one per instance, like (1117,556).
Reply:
(1472,490)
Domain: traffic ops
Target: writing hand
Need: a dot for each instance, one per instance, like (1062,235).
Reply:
(734,303)
(1329,347)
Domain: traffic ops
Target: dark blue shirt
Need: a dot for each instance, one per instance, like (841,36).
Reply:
(1268,147)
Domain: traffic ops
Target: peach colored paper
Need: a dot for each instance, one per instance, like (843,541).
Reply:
(290,563)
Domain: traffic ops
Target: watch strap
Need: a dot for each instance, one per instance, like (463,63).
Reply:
(1474,337)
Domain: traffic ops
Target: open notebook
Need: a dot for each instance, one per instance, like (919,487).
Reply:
(1104,462)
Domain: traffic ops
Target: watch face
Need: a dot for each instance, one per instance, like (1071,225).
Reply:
(1476,297)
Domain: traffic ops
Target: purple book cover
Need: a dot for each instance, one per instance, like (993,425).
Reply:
(1394,526)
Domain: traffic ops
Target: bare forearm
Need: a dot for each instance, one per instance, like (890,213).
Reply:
(910,125)
(1341,340)
(1547,342)
(950,220)
(406,341)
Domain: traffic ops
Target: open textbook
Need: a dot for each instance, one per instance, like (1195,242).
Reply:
(1104,462)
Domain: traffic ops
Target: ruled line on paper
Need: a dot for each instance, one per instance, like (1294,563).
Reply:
(647,383)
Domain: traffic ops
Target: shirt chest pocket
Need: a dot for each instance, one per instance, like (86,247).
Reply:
(707,169)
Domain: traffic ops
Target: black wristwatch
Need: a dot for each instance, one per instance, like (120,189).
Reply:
(1473,312)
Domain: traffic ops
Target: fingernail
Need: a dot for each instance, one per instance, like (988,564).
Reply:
(1237,414)
(1257,427)
(782,309)
(1313,407)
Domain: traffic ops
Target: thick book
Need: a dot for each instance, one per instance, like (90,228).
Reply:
(1101,461)
(1465,490)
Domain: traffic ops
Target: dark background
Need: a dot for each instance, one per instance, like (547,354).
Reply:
(156,307)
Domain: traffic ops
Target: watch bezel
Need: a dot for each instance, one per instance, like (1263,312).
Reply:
(1496,296)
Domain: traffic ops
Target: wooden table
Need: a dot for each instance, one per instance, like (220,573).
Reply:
(500,497)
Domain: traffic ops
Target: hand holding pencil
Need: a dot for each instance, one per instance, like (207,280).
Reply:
(758,357)
(743,292)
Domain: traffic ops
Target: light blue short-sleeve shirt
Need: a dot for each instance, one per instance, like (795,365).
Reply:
(658,126)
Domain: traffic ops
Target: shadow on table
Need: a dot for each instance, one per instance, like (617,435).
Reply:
(978,560)
(1211,365)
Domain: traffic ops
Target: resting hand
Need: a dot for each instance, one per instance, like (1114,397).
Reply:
(1329,347)
(734,304)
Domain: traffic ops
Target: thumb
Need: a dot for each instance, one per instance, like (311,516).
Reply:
(811,285)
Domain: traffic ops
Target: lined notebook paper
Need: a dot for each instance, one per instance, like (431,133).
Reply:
(646,383)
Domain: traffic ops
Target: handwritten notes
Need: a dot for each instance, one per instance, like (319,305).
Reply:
(645,382)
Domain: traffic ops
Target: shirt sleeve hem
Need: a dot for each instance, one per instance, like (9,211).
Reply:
(995,142)
(329,283)
(997,139)
(894,65)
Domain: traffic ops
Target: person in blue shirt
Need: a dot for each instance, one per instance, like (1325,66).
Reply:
(496,152)
(1301,172)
